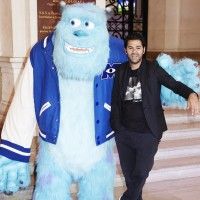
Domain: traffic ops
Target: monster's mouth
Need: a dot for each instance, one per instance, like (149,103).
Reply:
(78,50)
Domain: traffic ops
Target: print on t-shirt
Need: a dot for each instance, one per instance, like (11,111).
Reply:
(133,91)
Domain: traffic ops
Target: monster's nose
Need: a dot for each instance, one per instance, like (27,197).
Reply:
(80,33)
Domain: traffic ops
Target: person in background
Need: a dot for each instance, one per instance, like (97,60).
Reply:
(137,116)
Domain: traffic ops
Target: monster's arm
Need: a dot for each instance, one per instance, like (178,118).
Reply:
(16,136)
(169,82)
(185,71)
(176,86)
(19,126)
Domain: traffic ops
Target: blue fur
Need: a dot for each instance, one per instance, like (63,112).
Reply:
(76,158)
(165,61)
(184,70)
(77,135)
(86,66)
(13,175)
(98,182)
(54,179)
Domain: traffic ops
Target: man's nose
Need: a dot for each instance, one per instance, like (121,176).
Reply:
(134,50)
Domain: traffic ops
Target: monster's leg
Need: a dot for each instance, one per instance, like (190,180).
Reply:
(98,183)
(52,185)
(52,182)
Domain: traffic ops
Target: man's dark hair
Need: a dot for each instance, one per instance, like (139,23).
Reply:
(135,36)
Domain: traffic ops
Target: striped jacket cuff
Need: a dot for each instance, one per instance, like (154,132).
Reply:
(14,151)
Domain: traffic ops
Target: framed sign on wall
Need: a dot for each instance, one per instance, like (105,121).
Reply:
(48,14)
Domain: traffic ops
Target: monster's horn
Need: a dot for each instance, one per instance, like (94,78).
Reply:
(62,5)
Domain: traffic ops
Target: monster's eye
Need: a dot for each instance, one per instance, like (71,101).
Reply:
(75,22)
(110,70)
(89,25)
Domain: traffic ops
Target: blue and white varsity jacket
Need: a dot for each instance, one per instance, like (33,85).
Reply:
(37,101)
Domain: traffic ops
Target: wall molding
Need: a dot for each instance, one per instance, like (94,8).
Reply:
(181,54)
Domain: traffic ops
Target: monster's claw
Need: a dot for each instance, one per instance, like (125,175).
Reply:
(8,193)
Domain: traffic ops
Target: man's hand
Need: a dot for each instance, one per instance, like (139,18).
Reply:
(193,103)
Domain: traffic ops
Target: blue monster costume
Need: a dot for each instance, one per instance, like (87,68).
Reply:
(68,83)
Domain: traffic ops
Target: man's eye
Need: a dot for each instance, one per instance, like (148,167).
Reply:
(75,22)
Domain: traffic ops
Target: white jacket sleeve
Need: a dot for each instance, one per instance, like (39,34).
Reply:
(20,123)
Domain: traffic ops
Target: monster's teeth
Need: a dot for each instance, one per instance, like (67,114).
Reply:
(79,50)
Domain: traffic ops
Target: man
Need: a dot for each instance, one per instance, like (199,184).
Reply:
(137,116)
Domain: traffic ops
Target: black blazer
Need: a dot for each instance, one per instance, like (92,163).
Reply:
(152,76)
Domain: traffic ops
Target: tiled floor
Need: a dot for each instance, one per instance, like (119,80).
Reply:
(183,189)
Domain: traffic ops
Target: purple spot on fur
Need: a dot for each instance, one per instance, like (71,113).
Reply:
(106,197)
(45,179)
(109,156)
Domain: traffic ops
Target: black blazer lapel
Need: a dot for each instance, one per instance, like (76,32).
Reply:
(143,75)
(124,79)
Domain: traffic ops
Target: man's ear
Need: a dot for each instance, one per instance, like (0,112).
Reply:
(125,51)
(144,50)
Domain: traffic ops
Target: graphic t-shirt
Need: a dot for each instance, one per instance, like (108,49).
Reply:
(133,117)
